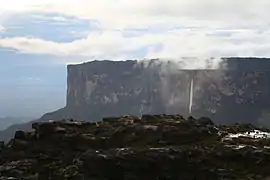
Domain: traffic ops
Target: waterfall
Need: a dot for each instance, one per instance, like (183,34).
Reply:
(191,95)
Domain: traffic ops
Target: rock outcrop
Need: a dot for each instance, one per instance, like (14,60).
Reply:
(129,147)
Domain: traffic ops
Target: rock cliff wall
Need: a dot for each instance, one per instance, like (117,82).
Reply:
(237,93)
(107,88)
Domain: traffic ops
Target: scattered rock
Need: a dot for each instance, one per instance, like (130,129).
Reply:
(128,147)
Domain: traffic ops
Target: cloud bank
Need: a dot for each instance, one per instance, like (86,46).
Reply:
(150,29)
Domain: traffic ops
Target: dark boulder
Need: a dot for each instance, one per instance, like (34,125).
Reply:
(130,148)
(205,121)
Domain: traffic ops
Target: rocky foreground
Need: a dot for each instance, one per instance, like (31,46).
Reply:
(160,147)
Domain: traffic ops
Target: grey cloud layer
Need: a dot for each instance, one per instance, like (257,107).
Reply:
(215,28)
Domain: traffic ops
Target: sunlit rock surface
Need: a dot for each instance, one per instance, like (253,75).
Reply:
(129,147)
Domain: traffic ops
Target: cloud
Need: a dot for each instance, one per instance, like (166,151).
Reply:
(52,27)
(192,28)
(175,43)
(109,43)
(2,28)
(141,13)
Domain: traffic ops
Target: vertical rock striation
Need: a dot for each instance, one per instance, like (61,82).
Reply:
(108,88)
(237,93)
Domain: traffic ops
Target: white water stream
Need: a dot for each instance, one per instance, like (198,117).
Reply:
(191,96)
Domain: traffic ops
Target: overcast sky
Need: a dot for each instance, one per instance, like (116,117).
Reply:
(39,37)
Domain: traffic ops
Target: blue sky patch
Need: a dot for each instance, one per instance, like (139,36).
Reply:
(30,85)
(53,27)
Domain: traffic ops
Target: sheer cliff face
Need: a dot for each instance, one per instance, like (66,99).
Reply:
(107,88)
(237,96)
(239,93)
